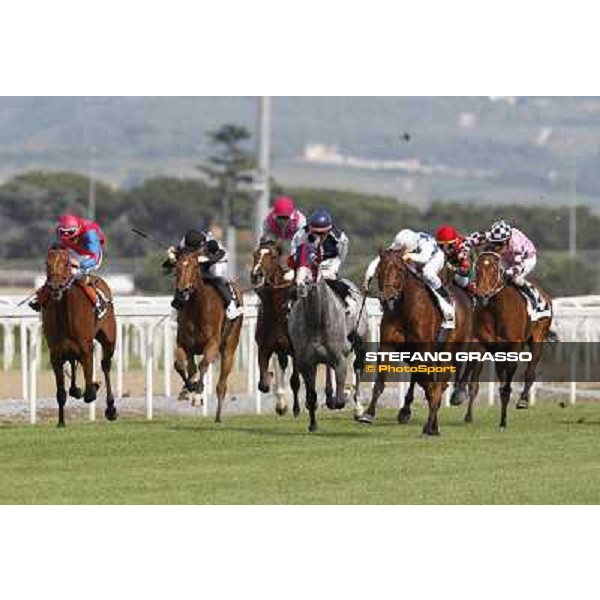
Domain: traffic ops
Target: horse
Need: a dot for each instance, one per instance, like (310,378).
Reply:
(322,333)
(502,323)
(272,336)
(202,329)
(411,322)
(70,326)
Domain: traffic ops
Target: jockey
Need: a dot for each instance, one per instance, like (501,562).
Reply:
(283,222)
(214,270)
(517,251)
(421,252)
(85,241)
(451,242)
(331,244)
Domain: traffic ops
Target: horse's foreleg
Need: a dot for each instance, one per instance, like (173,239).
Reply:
(369,415)
(227,357)
(309,375)
(536,348)
(505,374)
(87,362)
(434,392)
(405,412)
(107,353)
(461,379)
(74,391)
(329,399)
(341,370)
(281,406)
(181,369)
(264,381)
(295,385)
(475,373)
(359,367)
(209,356)
(61,393)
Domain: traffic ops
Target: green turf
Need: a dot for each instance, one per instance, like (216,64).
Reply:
(548,455)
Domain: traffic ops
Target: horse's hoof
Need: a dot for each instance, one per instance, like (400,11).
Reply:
(218,421)
(404,417)
(312,428)
(111,414)
(184,395)
(89,397)
(281,410)
(523,404)
(76,392)
(468,419)
(296,412)
(196,399)
(430,432)
(365,418)
(502,428)
(60,425)
(96,385)
(264,387)
(456,399)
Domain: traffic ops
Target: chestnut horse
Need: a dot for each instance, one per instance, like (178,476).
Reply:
(202,329)
(502,324)
(411,322)
(272,337)
(70,326)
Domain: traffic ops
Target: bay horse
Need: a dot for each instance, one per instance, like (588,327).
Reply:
(272,336)
(411,322)
(323,333)
(502,324)
(202,329)
(70,326)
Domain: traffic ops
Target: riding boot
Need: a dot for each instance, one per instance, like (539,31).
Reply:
(444,293)
(232,310)
(41,297)
(177,302)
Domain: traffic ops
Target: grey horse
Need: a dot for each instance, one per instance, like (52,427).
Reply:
(323,333)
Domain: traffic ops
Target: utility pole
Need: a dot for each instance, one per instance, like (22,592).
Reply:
(92,187)
(573,211)
(264,163)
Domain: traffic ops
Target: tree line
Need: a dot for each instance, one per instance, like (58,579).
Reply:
(167,206)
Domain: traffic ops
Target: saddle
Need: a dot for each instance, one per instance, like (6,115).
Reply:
(92,286)
(537,306)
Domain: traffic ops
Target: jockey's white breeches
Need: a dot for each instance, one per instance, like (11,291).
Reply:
(329,268)
(76,259)
(430,271)
(520,272)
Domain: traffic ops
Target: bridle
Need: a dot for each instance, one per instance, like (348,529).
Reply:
(397,286)
(186,291)
(268,279)
(499,283)
(58,288)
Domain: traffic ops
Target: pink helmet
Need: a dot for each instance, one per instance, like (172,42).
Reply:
(69,227)
(283,207)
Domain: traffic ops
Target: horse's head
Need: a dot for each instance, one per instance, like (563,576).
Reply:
(307,270)
(266,267)
(489,275)
(187,273)
(59,275)
(391,275)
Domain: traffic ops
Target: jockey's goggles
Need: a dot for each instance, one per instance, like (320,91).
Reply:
(67,231)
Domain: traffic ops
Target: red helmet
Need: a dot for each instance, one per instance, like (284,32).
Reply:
(283,207)
(69,227)
(446,234)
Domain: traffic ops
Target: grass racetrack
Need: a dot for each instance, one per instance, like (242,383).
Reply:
(547,455)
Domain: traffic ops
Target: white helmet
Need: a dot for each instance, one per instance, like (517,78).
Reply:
(407,239)
(500,231)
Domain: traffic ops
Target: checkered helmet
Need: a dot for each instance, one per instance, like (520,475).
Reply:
(500,231)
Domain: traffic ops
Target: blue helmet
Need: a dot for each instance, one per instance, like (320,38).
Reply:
(320,221)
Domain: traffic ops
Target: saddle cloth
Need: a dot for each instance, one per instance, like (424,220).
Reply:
(541,309)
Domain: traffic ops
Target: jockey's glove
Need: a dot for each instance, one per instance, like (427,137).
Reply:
(171,255)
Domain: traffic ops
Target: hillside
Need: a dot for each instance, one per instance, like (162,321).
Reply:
(473,148)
